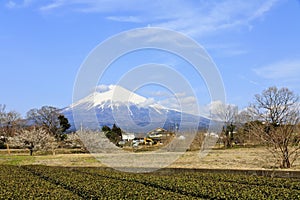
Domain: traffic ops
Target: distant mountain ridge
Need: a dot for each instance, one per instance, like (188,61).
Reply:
(129,110)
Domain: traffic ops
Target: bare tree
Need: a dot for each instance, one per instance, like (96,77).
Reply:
(13,122)
(243,132)
(2,133)
(8,119)
(2,117)
(243,117)
(275,115)
(47,117)
(50,119)
(10,122)
(226,113)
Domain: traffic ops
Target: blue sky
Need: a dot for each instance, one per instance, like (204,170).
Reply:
(255,44)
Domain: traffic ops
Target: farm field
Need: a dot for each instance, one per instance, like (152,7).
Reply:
(84,177)
(36,181)
(256,158)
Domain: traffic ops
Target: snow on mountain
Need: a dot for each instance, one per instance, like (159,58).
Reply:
(129,110)
(116,95)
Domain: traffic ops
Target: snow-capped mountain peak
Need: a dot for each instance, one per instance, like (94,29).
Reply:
(131,111)
(114,95)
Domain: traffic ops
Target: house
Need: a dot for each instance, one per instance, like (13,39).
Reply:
(128,136)
(159,135)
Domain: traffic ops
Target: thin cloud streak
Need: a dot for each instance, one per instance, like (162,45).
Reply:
(12,4)
(193,18)
(125,19)
(286,69)
(227,50)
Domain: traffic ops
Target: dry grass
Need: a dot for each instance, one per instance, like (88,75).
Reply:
(237,158)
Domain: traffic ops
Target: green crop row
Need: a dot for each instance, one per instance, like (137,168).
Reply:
(90,186)
(215,186)
(16,183)
(42,182)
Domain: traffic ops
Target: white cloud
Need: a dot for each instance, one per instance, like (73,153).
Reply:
(286,69)
(181,94)
(148,102)
(125,19)
(226,50)
(195,18)
(265,7)
(181,102)
(51,6)
(188,100)
(214,105)
(27,2)
(93,6)
(160,93)
(102,88)
(12,4)
(214,17)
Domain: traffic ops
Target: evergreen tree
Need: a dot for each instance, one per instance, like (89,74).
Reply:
(105,128)
(114,134)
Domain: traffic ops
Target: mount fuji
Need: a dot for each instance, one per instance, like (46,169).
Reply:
(130,111)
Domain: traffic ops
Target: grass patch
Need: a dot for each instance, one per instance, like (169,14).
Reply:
(17,159)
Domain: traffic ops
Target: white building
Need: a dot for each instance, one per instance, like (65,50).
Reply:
(128,136)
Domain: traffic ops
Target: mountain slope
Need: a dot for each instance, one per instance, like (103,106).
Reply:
(130,111)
